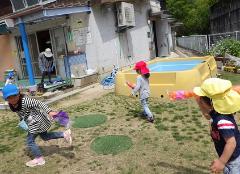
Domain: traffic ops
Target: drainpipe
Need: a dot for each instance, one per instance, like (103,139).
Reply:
(22,30)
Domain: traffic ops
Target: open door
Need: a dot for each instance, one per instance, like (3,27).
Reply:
(44,41)
(59,49)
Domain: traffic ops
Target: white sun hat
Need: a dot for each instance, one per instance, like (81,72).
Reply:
(48,52)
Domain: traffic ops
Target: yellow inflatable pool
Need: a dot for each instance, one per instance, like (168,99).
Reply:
(169,74)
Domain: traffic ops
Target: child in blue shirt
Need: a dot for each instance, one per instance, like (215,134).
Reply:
(218,103)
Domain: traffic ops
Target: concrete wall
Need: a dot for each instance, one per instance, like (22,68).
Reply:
(164,37)
(109,47)
(6,55)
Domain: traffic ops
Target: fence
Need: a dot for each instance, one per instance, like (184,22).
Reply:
(203,43)
(197,43)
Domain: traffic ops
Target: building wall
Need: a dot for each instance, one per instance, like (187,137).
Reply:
(110,48)
(164,37)
(6,55)
(107,47)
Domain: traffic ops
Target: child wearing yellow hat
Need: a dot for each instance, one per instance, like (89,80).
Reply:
(219,102)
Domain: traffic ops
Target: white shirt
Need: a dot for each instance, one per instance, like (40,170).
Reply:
(142,86)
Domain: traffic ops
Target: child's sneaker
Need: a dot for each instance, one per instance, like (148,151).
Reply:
(150,119)
(143,114)
(36,162)
(67,136)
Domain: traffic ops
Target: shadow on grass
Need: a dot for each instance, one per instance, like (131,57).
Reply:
(181,169)
(55,149)
(136,114)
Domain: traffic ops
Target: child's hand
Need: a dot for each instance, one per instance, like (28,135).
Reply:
(217,166)
(52,113)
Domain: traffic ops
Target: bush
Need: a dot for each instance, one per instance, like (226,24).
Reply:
(228,46)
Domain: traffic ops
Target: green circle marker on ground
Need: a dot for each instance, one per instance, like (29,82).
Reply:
(111,144)
(89,121)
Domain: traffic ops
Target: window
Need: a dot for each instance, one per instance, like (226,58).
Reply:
(18,5)
(32,2)
(22,4)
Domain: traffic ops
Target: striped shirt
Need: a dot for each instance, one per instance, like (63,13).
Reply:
(35,114)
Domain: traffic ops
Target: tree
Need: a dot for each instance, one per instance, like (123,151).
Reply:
(193,13)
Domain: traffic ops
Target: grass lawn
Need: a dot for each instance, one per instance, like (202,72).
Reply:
(234,78)
(177,143)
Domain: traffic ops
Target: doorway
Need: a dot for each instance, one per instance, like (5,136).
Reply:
(44,41)
(38,42)
(155,37)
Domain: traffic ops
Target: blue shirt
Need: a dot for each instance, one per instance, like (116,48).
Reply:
(224,126)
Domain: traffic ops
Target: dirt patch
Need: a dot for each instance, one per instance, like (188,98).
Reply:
(189,53)
(93,93)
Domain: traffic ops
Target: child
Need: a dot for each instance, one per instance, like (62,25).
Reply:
(219,102)
(142,86)
(36,115)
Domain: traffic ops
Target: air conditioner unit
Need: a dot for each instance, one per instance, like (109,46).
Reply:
(125,15)
(155,7)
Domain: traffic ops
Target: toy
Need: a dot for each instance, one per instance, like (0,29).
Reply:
(62,118)
(181,94)
(10,78)
(130,85)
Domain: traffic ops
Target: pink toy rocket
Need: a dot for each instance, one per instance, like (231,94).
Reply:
(181,94)
(130,85)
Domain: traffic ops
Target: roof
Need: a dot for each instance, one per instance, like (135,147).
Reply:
(36,8)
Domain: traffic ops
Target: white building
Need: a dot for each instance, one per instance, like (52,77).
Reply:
(90,35)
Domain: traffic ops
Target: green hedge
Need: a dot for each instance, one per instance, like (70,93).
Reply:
(228,46)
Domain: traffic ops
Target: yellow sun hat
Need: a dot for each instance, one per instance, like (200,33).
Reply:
(224,99)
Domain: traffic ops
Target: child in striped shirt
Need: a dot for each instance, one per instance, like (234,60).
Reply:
(37,115)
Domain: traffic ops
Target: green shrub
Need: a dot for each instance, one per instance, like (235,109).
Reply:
(228,46)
